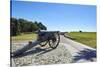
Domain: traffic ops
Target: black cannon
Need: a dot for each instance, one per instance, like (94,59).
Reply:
(52,38)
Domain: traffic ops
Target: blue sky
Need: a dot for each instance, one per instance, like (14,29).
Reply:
(62,17)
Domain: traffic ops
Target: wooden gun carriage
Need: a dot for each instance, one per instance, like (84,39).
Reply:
(52,38)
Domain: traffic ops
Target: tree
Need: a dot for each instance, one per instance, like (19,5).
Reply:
(34,27)
(41,26)
(21,21)
(14,27)
(21,25)
(80,31)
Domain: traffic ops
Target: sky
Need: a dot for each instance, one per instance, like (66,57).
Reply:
(57,16)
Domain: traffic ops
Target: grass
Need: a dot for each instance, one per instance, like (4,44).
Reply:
(24,37)
(88,38)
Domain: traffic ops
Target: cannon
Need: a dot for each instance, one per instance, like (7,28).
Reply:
(52,38)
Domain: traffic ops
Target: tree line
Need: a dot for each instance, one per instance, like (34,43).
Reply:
(19,26)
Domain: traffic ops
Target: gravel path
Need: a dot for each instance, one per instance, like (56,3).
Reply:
(68,51)
(42,55)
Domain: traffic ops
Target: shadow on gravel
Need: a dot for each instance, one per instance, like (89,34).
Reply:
(86,54)
(34,51)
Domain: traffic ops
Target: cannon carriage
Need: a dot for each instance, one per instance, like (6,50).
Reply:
(51,38)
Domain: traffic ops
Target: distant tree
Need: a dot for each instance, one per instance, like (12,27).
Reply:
(41,26)
(14,27)
(80,31)
(21,25)
(34,27)
(22,22)
(35,22)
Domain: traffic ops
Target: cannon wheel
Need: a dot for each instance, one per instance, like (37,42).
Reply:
(53,43)
(43,43)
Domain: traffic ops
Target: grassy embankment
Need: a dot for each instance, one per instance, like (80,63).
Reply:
(88,38)
(24,37)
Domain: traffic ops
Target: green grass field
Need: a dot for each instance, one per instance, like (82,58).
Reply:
(88,38)
(24,37)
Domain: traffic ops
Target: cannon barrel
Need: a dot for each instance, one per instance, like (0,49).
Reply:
(45,31)
(46,35)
